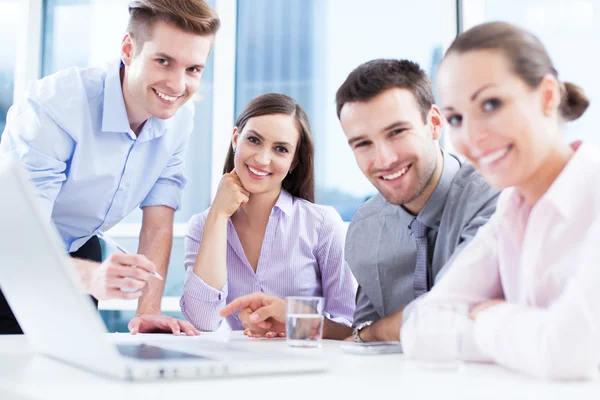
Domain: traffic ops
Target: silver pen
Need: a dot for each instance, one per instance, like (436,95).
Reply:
(122,249)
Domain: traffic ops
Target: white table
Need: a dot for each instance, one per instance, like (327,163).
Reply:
(26,376)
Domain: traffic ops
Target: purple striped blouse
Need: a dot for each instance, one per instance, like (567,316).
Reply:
(302,255)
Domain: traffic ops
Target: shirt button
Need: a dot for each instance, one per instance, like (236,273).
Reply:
(105,226)
(124,186)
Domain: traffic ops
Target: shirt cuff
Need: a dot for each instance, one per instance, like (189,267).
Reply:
(485,328)
(339,320)
(198,289)
(163,194)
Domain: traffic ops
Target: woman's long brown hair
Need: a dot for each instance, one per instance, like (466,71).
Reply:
(301,181)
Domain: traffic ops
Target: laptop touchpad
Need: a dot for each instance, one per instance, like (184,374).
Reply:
(147,352)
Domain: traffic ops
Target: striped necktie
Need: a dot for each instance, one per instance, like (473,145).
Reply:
(419,232)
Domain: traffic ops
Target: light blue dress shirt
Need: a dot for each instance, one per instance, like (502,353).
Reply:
(72,133)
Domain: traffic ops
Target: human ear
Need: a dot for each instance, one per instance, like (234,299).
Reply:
(550,94)
(435,122)
(127,49)
(234,138)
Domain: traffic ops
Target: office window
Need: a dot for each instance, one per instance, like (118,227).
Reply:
(9,12)
(570,32)
(69,42)
(306,48)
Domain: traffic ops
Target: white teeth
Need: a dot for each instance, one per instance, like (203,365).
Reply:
(395,175)
(164,96)
(255,172)
(492,157)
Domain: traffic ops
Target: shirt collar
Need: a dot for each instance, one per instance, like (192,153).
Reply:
(560,194)
(431,214)
(285,202)
(581,168)
(114,115)
(154,128)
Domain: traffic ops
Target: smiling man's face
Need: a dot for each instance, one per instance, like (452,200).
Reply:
(394,147)
(161,76)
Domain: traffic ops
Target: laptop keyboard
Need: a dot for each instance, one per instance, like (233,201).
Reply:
(147,352)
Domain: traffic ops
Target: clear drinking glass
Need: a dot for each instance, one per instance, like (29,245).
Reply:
(440,328)
(304,321)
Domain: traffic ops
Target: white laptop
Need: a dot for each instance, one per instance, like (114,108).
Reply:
(44,291)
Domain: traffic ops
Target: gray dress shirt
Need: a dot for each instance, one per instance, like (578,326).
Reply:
(382,253)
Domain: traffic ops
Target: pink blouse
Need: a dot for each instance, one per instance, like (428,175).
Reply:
(545,262)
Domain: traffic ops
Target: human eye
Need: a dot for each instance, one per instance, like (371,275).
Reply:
(454,120)
(162,61)
(194,70)
(363,143)
(253,139)
(396,132)
(281,149)
(491,104)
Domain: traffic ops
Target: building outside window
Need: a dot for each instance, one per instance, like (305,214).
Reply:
(306,48)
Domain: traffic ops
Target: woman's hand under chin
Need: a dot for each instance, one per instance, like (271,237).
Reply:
(230,196)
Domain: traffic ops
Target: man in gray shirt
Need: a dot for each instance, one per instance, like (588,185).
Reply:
(429,206)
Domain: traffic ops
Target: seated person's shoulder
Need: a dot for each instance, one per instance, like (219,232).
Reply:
(470,186)
(372,208)
(196,223)
(591,183)
(320,213)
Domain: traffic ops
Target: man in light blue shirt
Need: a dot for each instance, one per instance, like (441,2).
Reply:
(99,142)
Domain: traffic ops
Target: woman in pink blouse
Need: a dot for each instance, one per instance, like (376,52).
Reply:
(531,276)
(263,232)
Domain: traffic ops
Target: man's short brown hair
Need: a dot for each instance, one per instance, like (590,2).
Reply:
(194,16)
(372,78)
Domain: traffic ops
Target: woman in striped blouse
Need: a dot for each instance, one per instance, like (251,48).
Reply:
(263,232)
